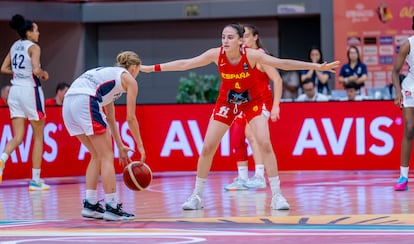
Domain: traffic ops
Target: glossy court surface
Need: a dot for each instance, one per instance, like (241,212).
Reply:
(326,206)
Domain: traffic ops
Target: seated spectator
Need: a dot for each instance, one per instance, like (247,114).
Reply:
(321,78)
(354,70)
(4,94)
(351,89)
(310,93)
(291,84)
(61,90)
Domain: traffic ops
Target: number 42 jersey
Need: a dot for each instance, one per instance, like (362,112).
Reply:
(21,64)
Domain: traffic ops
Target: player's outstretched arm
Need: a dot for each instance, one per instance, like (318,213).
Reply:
(204,59)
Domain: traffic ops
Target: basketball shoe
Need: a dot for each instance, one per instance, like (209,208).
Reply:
(279,202)
(256,182)
(116,213)
(402,184)
(1,170)
(194,202)
(38,186)
(237,185)
(94,211)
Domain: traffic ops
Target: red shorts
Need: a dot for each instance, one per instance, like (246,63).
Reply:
(226,112)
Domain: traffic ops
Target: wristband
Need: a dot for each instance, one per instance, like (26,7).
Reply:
(157,68)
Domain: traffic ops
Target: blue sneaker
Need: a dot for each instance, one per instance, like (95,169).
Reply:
(402,184)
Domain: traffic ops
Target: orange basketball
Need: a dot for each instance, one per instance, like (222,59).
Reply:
(137,176)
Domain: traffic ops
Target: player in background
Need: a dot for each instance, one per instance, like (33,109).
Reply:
(26,99)
(240,130)
(405,100)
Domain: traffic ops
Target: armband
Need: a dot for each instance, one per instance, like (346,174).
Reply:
(157,68)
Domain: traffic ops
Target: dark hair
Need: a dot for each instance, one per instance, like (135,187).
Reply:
(412,27)
(21,25)
(320,53)
(308,80)
(61,86)
(351,85)
(356,49)
(238,28)
(255,32)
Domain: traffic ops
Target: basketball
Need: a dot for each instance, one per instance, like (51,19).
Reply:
(137,176)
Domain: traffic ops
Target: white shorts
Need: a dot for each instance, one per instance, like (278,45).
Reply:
(26,102)
(408,92)
(82,114)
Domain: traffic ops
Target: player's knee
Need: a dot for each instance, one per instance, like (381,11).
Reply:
(266,146)
(208,150)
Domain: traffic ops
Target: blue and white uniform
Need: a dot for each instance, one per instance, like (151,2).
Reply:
(82,106)
(407,85)
(26,99)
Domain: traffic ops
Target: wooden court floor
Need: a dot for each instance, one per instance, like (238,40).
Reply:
(330,206)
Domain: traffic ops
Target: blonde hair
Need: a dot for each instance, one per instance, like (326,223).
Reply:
(127,58)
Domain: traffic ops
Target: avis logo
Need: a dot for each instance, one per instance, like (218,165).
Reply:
(310,136)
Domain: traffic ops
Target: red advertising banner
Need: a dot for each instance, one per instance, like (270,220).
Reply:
(309,136)
(377,28)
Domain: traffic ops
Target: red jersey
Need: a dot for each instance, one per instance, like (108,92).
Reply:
(238,91)
(263,85)
(2,103)
(50,102)
(238,79)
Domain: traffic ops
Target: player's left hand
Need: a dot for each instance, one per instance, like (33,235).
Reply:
(123,155)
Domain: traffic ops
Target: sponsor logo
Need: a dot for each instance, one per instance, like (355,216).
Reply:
(310,136)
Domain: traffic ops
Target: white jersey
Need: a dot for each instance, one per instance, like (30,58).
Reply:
(104,83)
(407,85)
(21,64)
(410,59)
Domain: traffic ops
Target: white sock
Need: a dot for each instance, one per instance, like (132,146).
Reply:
(259,170)
(4,158)
(404,171)
(111,199)
(92,196)
(274,184)
(36,175)
(199,186)
(243,172)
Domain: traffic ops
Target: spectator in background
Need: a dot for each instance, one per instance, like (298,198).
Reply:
(310,93)
(321,78)
(352,92)
(4,94)
(291,84)
(353,71)
(61,90)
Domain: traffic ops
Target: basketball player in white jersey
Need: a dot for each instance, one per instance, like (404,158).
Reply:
(405,100)
(26,99)
(84,118)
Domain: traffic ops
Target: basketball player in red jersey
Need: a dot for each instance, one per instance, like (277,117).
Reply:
(238,93)
(240,130)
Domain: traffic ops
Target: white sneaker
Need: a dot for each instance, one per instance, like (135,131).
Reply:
(236,185)
(279,202)
(256,182)
(194,202)
(38,186)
